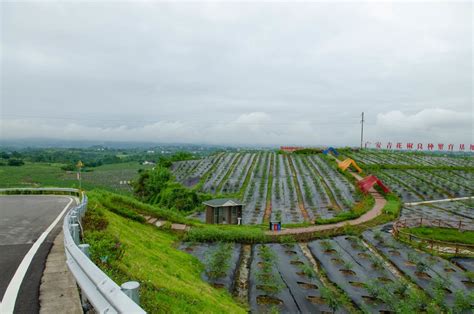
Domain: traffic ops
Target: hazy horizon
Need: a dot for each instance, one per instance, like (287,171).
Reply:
(240,74)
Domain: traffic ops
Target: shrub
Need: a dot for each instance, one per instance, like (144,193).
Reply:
(15,162)
(94,220)
(308,270)
(239,234)
(218,261)
(104,248)
(463,301)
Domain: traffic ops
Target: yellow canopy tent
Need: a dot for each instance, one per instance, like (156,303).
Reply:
(343,165)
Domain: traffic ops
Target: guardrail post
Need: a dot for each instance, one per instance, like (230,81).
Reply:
(73,218)
(130,288)
(75,233)
(85,249)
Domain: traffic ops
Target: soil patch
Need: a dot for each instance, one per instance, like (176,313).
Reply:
(291,252)
(269,289)
(469,284)
(357,284)
(218,285)
(394,253)
(306,285)
(337,261)
(363,255)
(330,251)
(347,272)
(266,299)
(296,262)
(384,279)
(422,275)
(315,299)
(369,299)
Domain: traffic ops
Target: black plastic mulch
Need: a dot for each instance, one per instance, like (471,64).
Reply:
(297,289)
(361,271)
(201,252)
(398,253)
(465,262)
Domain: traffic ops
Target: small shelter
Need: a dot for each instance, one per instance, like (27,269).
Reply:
(368,182)
(343,165)
(223,211)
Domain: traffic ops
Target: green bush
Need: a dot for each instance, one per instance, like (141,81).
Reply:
(15,162)
(94,219)
(218,261)
(241,234)
(104,248)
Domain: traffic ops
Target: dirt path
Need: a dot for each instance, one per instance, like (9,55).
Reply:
(371,214)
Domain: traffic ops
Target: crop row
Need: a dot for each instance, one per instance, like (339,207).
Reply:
(376,273)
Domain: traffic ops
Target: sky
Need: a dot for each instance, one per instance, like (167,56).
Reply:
(240,73)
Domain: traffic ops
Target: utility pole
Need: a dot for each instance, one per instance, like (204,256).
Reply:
(362,131)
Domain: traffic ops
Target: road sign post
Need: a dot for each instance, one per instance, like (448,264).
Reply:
(79,167)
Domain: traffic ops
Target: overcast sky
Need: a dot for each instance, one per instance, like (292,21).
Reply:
(237,73)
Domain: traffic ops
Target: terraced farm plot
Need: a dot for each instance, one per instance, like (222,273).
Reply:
(191,175)
(434,275)
(284,199)
(403,190)
(342,190)
(256,192)
(454,211)
(315,197)
(310,187)
(222,166)
(352,267)
(236,178)
(221,260)
(282,278)
(414,185)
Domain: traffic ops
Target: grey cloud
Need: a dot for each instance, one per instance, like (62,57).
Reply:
(169,71)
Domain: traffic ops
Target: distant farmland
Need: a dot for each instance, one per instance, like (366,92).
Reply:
(292,186)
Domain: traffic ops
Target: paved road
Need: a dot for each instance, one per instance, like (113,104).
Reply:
(23,219)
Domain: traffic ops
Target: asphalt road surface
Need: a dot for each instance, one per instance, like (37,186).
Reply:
(23,219)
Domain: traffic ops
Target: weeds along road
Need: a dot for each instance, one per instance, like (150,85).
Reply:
(28,226)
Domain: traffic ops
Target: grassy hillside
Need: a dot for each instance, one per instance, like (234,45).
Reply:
(170,278)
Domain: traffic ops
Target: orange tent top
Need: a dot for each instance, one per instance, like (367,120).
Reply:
(347,163)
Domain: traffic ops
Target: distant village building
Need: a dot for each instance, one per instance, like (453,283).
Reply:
(290,149)
(223,211)
(149,162)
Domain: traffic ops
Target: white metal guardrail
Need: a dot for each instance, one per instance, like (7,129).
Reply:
(101,291)
(96,287)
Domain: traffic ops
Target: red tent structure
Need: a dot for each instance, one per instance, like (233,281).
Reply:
(368,182)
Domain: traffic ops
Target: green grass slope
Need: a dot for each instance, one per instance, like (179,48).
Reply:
(170,279)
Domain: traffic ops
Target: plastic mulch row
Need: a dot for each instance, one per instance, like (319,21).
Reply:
(398,254)
(334,261)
